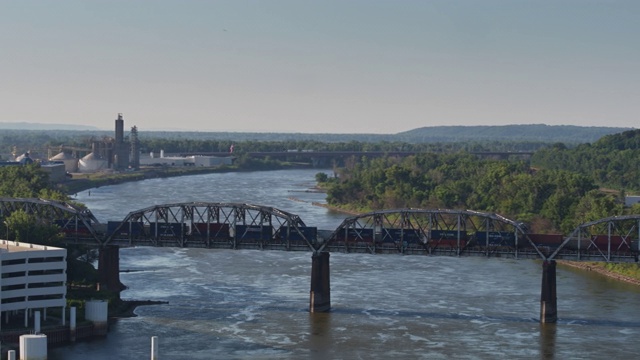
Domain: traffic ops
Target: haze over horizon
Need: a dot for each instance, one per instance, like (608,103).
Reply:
(361,66)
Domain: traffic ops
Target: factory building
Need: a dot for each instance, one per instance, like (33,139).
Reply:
(108,153)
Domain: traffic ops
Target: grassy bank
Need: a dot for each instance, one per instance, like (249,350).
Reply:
(627,272)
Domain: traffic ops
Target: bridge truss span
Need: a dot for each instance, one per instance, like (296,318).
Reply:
(432,232)
(76,222)
(610,239)
(212,225)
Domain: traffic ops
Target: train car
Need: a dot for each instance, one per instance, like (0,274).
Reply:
(128,229)
(495,238)
(447,239)
(70,226)
(545,243)
(407,236)
(601,242)
(164,230)
(254,232)
(310,233)
(550,241)
(356,235)
(215,230)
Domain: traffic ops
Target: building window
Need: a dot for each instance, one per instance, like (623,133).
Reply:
(13,262)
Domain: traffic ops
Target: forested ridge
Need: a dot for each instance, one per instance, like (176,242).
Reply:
(612,161)
(568,134)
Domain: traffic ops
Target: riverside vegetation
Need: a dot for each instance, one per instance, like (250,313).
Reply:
(558,190)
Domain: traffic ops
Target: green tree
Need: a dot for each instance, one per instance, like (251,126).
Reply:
(23,227)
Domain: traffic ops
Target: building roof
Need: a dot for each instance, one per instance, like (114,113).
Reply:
(12,246)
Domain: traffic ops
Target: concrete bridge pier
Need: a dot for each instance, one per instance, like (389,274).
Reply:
(109,268)
(548,298)
(320,295)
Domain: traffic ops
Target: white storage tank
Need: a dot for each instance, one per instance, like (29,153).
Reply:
(33,347)
(91,163)
(96,311)
(70,163)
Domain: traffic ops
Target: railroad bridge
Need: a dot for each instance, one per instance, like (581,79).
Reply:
(398,231)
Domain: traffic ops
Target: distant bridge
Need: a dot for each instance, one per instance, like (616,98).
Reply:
(324,155)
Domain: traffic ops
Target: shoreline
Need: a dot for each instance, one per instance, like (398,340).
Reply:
(336,209)
(590,266)
(126,308)
(82,182)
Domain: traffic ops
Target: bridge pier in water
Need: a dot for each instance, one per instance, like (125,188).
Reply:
(548,298)
(320,295)
(109,268)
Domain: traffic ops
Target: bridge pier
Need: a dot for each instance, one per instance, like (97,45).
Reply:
(320,295)
(109,268)
(548,298)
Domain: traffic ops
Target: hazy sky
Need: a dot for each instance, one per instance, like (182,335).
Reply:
(362,66)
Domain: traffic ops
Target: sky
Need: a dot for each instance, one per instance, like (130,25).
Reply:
(297,66)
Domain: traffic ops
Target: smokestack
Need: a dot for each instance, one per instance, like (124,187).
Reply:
(119,129)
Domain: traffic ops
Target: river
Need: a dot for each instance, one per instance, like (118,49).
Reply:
(250,304)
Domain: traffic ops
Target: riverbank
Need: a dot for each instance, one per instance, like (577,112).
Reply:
(336,209)
(80,182)
(629,272)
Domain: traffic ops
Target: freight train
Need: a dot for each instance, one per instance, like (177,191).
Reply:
(177,230)
(361,237)
(444,239)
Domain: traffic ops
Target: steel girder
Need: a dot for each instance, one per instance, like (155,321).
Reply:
(202,224)
(430,231)
(610,239)
(75,221)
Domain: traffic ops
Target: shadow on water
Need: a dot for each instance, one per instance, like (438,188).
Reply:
(510,319)
(320,335)
(548,341)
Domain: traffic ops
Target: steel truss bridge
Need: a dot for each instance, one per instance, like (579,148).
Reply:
(399,231)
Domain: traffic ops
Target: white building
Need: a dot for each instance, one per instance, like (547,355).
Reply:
(209,160)
(630,200)
(33,278)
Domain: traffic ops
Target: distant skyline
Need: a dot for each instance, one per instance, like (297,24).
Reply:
(299,66)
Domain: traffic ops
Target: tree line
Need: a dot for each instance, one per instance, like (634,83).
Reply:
(39,141)
(548,200)
(613,161)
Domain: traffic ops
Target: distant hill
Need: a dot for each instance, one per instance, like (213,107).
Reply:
(39,126)
(532,132)
(535,133)
(628,140)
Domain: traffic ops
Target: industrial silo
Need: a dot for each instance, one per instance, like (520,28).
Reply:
(91,163)
(70,162)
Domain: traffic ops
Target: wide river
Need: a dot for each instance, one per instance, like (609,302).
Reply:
(250,304)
